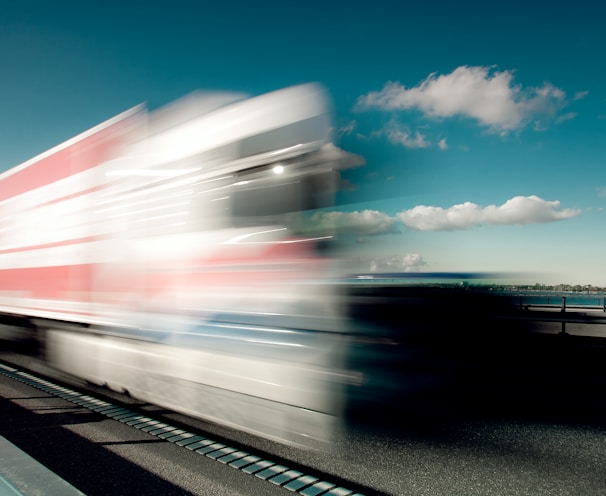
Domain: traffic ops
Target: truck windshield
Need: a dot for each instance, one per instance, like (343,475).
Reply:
(262,201)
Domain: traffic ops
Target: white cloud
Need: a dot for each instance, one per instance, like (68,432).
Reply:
(481,93)
(566,117)
(409,262)
(412,262)
(601,191)
(520,210)
(427,218)
(409,140)
(364,223)
(402,135)
(580,95)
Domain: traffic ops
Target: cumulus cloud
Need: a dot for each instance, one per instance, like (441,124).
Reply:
(409,262)
(359,223)
(398,134)
(404,137)
(413,261)
(520,210)
(490,97)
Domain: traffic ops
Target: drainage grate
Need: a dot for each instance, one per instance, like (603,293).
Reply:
(283,476)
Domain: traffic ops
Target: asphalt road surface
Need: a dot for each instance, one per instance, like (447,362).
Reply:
(535,427)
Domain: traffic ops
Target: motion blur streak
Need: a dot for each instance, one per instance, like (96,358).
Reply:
(161,253)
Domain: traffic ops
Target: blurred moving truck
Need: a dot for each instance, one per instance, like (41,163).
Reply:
(169,254)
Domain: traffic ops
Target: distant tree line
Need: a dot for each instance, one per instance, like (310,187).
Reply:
(576,288)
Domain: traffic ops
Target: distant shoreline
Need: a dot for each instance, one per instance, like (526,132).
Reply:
(471,279)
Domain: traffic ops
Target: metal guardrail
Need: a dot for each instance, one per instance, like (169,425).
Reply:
(563,306)
(563,313)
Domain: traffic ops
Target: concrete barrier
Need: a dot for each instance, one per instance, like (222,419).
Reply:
(21,475)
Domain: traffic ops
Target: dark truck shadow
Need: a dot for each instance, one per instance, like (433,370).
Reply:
(431,357)
(87,466)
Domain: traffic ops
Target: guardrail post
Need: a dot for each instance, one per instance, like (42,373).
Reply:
(563,310)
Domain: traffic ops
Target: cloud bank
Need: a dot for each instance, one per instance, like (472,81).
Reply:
(520,210)
(408,262)
(481,93)
(364,223)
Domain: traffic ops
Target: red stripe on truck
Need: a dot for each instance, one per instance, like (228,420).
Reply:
(84,152)
(47,282)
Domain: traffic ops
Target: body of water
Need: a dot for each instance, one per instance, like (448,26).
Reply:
(555,298)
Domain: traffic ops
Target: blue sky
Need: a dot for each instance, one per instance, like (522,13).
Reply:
(483,124)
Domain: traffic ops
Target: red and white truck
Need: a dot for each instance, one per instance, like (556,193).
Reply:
(168,254)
